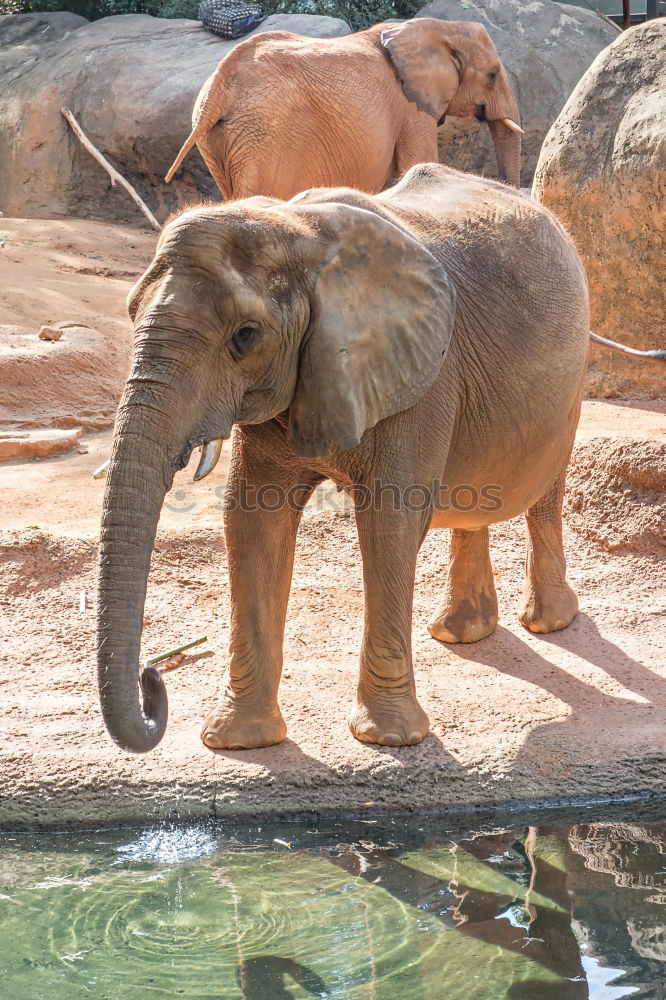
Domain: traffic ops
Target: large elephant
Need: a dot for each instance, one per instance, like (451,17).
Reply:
(282,113)
(423,348)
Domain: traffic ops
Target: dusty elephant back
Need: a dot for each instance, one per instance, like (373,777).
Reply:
(515,270)
(281,85)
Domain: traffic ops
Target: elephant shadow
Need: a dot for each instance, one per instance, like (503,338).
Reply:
(551,748)
(290,761)
(593,709)
(262,977)
(478,914)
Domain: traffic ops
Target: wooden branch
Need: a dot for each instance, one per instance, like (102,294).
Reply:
(113,173)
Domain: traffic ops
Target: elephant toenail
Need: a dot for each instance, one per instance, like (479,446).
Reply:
(414,737)
(392,740)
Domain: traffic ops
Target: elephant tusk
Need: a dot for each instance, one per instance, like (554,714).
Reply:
(210,455)
(509,122)
(101,470)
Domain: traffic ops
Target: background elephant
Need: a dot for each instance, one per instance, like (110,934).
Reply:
(418,348)
(282,113)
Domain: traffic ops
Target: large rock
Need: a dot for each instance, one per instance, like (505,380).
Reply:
(602,170)
(545,47)
(131,81)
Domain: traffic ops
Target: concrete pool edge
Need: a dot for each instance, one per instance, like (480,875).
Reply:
(86,805)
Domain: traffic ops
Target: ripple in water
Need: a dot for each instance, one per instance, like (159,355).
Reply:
(175,912)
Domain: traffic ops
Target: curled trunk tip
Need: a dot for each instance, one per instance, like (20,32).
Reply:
(139,726)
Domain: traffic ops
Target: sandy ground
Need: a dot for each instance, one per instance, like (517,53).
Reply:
(74,272)
(515,718)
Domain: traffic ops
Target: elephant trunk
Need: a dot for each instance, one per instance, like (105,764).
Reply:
(139,475)
(502,115)
(507,150)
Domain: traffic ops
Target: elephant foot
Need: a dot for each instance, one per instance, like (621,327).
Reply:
(547,609)
(469,609)
(466,621)
(396,721)
(236,726)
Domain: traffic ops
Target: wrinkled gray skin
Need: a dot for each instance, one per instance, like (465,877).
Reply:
(436,333)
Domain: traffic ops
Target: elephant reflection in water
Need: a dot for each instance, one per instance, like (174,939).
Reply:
(629,857)
(262,977)
(532,953)
(510,902)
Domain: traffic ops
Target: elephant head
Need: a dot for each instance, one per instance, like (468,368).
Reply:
(452,68)
(326,310)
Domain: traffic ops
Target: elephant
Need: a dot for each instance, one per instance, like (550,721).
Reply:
(283,113)
(423,348)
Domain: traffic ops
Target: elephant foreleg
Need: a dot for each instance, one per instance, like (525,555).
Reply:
(548,603)
(469,609)
(388,711)
(263,505)
(416,143)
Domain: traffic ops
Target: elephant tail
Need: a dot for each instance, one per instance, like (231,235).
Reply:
(209,109)
(185,148)
(654,355)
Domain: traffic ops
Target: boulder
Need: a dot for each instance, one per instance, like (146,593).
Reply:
(131,81)
(602,170)
(545,47)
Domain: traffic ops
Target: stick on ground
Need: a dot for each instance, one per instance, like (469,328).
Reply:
(173,652)
(113,173)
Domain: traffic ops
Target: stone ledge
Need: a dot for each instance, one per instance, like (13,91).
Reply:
(26,445)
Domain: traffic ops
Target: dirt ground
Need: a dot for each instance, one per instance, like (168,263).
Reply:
(515,718)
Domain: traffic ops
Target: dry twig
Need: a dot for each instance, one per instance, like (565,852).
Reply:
(113,173)
(174,652)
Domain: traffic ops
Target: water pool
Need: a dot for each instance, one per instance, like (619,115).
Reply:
(375,910)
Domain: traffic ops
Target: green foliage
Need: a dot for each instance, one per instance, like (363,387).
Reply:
(92,9)
(358,14)
(86,8)
(175,8)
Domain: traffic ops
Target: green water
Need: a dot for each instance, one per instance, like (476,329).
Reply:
(381,910)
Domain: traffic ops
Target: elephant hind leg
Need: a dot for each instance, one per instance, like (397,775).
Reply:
(469,609)
(548,603)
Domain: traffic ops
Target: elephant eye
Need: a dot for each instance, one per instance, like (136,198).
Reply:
(492,77)
(243,341)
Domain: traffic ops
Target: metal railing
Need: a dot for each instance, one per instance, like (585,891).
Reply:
(624,12)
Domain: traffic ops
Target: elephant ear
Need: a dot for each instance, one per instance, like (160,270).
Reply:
(381,321)
(429,67)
